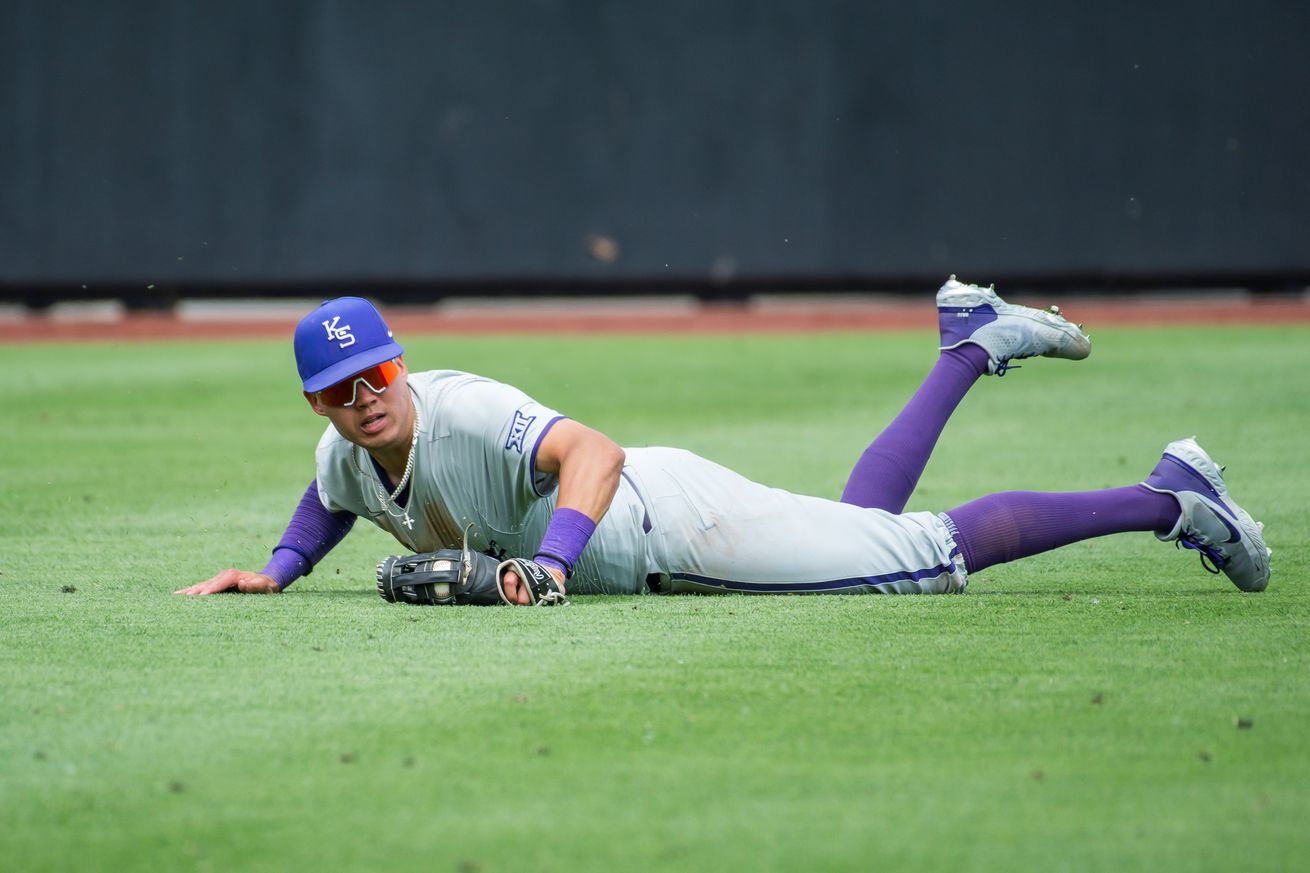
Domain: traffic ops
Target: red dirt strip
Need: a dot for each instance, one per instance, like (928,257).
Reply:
(793,316)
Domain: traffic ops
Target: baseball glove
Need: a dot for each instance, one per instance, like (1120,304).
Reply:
(462,577)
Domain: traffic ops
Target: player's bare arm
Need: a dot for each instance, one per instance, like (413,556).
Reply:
(588,464)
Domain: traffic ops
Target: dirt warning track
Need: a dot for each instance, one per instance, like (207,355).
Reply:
(571,317)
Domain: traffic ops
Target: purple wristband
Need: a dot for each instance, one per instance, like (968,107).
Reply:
(566,537)
(286,566)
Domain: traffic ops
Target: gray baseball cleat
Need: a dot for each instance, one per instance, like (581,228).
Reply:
(1210,522)
(970,314)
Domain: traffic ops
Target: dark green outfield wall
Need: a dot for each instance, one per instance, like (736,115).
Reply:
(275,141)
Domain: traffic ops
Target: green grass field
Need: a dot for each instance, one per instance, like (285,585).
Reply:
(1079,710)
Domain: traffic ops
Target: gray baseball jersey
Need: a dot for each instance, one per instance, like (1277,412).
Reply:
(677,522)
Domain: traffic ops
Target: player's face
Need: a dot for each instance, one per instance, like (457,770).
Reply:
(376,419)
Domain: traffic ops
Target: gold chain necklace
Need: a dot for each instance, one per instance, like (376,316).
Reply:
(389,500)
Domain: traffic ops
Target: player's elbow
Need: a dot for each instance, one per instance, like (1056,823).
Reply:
(608,455)
(617,458)
(582,450)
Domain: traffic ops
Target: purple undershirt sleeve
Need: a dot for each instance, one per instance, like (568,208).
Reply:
(566,536)
(312,532)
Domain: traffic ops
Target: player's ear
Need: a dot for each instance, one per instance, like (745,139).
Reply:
(314,403)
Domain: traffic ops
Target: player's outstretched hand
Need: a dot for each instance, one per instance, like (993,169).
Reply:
(240,581)
(517,592)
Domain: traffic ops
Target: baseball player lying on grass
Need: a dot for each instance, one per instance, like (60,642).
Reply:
(450,461)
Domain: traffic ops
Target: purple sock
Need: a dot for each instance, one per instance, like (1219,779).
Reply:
(1015,524)
(310,535)
(889,469)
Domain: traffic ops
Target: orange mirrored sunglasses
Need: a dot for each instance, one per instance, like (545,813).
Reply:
(343,393)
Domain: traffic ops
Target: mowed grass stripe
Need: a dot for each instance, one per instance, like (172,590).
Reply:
(1080,709)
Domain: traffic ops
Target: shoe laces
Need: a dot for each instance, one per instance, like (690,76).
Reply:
(1216,560)
(1003,366)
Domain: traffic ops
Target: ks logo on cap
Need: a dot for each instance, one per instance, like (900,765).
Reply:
(357,338)
(340,334)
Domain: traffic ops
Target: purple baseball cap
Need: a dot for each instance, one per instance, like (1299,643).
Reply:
(339,339)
